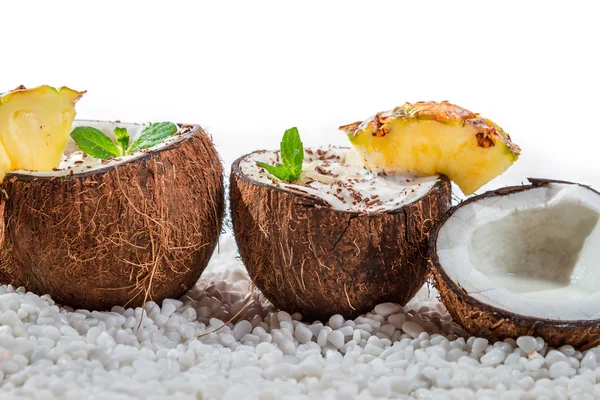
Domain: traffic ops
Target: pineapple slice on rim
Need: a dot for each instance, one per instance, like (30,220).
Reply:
(431,138)
(34,127)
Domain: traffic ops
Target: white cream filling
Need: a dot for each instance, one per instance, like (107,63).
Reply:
(535,253)
(75,161)
(339,178)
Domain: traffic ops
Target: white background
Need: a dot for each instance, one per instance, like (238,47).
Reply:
(248,70)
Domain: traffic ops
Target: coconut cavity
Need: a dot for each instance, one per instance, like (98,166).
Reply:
(533,252)
(338,178)
(74,161)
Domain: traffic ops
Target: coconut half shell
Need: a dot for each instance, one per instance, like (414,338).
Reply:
(319,261)
(119,234)
(486,312)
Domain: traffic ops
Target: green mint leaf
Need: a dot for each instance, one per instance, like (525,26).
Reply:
(280,171)
(292,152)
(94,142)
(153,135)
(122,137)
(292,157)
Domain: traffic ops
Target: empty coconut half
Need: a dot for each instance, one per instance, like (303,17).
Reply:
(338,240)
(523,261)
(94,234)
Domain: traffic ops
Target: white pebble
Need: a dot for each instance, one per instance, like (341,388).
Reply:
(322,337)
(346,330)
(527,343)
(216,323)
(336,321)
(386,309)
(264,348)
(494,357)
(412,328)
(336,338)
(303,334)
(241,329)
(555,356)
(589,361)
(283,316)
(397,320)
(560,368)
(479,345)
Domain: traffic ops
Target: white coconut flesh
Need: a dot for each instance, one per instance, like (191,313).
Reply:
(535,253)
(338,177)
(74,161)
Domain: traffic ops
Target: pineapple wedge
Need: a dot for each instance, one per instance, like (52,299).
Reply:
(35,125)
(430,138)
(4,162)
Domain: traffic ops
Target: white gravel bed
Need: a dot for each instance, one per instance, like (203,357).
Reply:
(411,352)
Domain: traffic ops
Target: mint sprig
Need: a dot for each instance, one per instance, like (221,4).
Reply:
(153,135)
(122,137)
(95,143)
(292,156)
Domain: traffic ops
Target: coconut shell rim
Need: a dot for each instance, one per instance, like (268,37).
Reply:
(146,153)
(313,201)
(463,294)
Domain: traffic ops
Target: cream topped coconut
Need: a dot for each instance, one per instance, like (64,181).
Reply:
(337,177)
(339,239)
(74,161)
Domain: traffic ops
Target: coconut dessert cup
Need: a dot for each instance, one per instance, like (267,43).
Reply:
(522,261)
(308,256)
(94,234)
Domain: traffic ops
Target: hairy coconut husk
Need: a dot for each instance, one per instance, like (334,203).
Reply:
(141,229)
(319,261)
(480,319)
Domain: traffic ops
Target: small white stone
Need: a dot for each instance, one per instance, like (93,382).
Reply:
(589,360)
(336,321)
(540,343)
(255,340)
(386,309)
(322,337)
(303,334)
(555,356)
(494,357)
(560,368)
(287,347)
(412,328)
(241,329)
(567,350)
(527,343)
(264,348)
(168,309)
(388,330)
(479,345)
(373,350)
(346,330)
(216,323)
(336,338)
(283,316)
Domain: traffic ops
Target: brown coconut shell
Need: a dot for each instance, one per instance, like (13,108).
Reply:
(318,261)
(481,319)
(143,229)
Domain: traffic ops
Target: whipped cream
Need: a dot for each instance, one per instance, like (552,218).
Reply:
(74,161)
(338,178)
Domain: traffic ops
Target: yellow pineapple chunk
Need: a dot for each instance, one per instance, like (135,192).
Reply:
(35,125)
(430,138)
(4,162)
